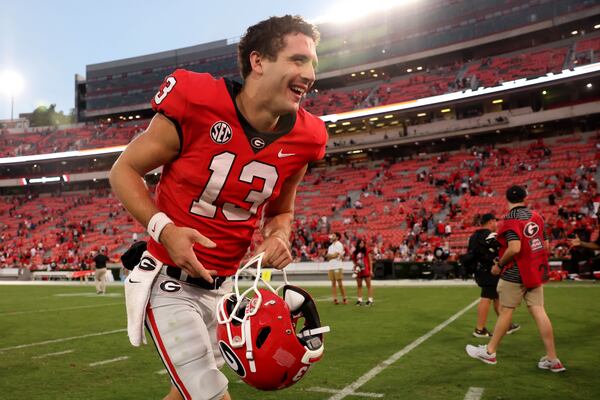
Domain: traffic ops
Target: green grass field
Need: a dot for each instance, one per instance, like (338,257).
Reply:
(51,336)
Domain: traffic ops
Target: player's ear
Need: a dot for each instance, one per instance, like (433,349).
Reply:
(256,62)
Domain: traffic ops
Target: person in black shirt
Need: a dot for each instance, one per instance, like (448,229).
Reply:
(483,251)
(100,275)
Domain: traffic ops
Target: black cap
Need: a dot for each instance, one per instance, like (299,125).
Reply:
(487,217)
(516,194)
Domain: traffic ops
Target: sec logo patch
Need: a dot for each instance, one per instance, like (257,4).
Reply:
(220,132)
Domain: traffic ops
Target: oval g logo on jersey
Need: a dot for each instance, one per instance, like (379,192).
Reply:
(148,264)
(232,359)
(170,286)
(257,143)
(220,132)
(531,229)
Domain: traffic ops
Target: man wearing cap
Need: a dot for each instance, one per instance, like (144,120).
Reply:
(523,268)
(483,250)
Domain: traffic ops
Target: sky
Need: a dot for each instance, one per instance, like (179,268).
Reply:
(48,42)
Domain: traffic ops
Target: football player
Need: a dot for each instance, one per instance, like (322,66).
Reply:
(230,153)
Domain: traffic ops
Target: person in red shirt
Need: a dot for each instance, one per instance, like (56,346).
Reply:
(362,269)
(232,155)
(523,268)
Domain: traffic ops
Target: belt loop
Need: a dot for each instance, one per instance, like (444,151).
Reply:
(183,276)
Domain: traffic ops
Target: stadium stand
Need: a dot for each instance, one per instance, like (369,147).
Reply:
(396,205)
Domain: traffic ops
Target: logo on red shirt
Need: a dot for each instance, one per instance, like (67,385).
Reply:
(531,229)
(220,132)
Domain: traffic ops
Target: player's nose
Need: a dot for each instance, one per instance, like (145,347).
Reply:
(308,74)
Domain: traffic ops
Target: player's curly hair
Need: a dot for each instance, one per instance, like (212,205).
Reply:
(266,37)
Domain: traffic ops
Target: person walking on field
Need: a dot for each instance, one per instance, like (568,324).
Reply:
(100,271)
(523,268)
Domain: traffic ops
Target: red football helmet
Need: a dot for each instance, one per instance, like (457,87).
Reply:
(257,332)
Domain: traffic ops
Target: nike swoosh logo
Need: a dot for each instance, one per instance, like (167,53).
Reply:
(281,154)
(130,281)
(154,227)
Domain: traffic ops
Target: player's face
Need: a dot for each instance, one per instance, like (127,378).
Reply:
(292,74)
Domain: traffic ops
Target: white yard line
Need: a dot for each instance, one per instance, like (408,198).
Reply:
(349,390)
(53,354)
(22,346)
(359,394)
(44,310)
(112,360)
(474,393)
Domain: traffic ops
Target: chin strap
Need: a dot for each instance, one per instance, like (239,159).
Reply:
(313,332)
(249,352)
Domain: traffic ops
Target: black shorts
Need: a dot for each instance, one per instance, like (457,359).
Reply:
(489,292)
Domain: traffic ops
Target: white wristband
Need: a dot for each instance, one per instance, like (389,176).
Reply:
(157,224)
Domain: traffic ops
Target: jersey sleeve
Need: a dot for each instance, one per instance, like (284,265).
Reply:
(510,230)
(171,99)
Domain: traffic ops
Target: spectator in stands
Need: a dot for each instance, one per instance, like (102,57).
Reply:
(481,253)
(335,255)
(100,261)
(523,267)
(363,261)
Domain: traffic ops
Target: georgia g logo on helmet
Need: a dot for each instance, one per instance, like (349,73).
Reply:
(531,229)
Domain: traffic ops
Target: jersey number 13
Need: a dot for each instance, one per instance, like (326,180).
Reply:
(220,166)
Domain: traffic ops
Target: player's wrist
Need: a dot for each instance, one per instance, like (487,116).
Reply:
(157,224)
(281,236)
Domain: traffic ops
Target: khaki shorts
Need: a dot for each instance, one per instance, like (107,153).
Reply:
(335,274)
(511,294)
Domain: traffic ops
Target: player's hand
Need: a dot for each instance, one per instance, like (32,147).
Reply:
(179,242)
(277,252)
(496,268)
(574,242)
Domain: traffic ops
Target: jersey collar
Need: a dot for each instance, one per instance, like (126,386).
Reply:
(258,140)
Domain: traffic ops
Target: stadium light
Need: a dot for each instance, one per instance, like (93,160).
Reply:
(589,86)
(11,83)
(597,26)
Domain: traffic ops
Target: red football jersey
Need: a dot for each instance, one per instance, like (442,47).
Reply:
(226,171)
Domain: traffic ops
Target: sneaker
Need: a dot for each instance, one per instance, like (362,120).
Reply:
(358,303)
(369,303)
(345,301)
(513,328)
(336,302)
(554,366)
(480,353)
(482,333)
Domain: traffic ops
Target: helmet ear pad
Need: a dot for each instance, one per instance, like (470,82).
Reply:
(301,304)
